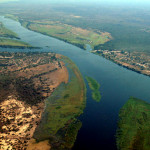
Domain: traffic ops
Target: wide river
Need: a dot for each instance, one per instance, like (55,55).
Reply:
(117,85)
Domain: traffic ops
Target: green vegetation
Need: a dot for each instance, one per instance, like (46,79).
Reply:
(9,43)
(129,26)
(6,40)
(74,35)
(59,121)
(134,126)
(94,86)
(4,32)
(11,17)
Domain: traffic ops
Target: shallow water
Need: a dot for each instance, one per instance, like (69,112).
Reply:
(117,85)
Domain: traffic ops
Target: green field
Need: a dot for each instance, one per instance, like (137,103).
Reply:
(94,86)
(74,35)
(59,122)
(134,126)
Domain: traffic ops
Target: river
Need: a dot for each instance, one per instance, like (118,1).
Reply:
(117,85)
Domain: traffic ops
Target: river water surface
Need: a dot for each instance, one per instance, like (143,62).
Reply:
(117,85)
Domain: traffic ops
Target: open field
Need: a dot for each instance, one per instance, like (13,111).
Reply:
(94,86)
(133,127)
(59,122)
(74,35)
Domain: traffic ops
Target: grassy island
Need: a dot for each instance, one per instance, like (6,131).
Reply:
(59,122)
(94,86)
(68,33)
(134,126)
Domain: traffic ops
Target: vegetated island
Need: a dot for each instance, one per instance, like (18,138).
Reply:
(9,39)
(134,126)
(135,61)
(68,33)
(94,86)
(26,80)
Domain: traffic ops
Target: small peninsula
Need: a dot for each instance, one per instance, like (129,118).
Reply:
(94,86)
(134,126)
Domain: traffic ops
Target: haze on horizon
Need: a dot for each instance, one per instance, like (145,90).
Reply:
(129,2)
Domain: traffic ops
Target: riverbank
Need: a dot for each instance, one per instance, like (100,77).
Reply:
(135,61)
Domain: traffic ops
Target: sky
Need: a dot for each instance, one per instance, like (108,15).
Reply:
(132,2)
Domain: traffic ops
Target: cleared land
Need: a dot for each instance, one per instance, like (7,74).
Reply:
(133,127)
(74,35)
(94,86)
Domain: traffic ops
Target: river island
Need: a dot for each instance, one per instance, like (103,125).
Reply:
(94,86)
